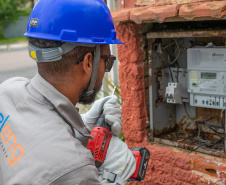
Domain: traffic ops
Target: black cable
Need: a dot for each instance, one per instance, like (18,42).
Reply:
(222,123)
(208,145)
(170,73)
(203,143)
(177,64)
(196,124)
(214,130)
(210,126)
(211,118)
(193,44)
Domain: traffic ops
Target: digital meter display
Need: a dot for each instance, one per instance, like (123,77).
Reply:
(208,75)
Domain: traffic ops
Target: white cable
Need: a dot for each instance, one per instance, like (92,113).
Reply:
(178,47)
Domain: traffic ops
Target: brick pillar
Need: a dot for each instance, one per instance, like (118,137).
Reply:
(167,165)
(131,76)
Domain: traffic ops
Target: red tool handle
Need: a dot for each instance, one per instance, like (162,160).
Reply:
(102,137)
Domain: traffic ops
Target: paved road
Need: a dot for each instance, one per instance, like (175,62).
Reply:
(16,63)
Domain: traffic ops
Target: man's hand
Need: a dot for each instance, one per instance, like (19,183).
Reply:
(111,110)
(119,163)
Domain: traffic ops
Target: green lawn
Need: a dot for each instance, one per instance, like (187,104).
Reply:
(13,40)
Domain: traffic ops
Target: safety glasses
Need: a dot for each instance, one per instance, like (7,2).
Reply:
(109,61)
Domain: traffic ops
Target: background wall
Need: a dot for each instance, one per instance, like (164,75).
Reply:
(167,165)
(16,29)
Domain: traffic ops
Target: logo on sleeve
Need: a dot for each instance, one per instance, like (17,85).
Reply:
(8,141)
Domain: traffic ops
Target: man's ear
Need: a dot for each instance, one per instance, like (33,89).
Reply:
(88,64)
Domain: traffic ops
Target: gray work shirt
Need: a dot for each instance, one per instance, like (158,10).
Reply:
(36,139)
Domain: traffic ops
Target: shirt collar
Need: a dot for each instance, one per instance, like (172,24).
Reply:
(61,103)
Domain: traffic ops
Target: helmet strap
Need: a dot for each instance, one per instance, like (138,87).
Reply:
(95,69)
(54,54)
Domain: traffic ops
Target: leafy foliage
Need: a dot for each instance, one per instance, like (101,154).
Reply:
(12,40)
(10,10)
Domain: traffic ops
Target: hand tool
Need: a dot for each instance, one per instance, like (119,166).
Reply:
(99,146)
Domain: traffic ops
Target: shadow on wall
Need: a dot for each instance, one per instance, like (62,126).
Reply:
(16,29)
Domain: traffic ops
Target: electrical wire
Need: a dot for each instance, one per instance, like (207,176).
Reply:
(171,75)
(195,122)
(207,144)
(178,53)
(203,142)
(177,71)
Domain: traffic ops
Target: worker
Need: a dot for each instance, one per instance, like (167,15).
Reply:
(42,135)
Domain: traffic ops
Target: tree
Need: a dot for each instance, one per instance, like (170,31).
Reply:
(10,10)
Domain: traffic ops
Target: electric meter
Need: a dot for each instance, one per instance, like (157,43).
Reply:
(207,77)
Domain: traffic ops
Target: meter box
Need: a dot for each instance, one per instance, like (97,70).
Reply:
(207,77)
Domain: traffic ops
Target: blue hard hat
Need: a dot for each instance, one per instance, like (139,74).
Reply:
(79,21)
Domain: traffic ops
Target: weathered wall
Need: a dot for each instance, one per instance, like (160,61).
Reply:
(160,2)
(168,165)
(133,3)
(127,3)
(131,70)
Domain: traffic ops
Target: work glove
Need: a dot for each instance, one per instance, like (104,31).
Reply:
(119,163)
(111,110)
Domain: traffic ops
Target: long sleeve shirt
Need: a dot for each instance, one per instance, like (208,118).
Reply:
(37,143)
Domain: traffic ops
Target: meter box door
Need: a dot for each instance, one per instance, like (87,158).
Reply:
(207,77)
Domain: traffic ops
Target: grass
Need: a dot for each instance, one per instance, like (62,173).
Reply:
(13,40)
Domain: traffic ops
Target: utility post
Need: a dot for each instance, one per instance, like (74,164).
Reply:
(112,5)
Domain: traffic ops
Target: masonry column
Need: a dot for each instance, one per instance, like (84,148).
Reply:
(131,76)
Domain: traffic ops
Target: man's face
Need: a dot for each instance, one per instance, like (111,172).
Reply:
(104,50)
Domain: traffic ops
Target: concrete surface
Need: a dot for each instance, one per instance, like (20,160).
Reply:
(16,63)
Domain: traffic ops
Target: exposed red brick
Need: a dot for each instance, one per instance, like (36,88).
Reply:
(131,70)
(216,9)
(127,3)
(141,3)
(167,166)
(204,167)
(164,2)
(135,136)
(188,9)
(126,85)
(135,107)
(120,15)
(138,126)
(132,51)
(157,13)
(221,171)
